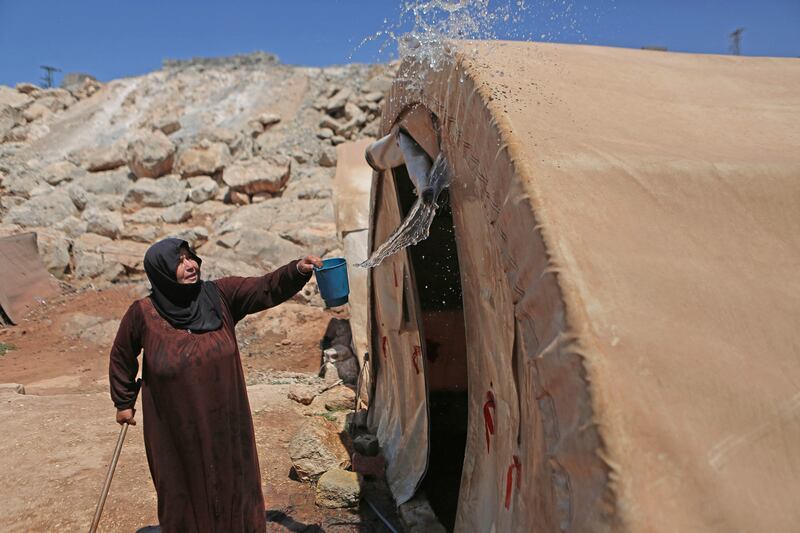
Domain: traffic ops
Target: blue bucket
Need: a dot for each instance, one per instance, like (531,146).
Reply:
(332,281)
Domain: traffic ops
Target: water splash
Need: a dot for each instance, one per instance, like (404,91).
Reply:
(423,27)
(415,227)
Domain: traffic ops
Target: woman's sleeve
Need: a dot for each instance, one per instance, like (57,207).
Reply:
(250,295)
(123,364)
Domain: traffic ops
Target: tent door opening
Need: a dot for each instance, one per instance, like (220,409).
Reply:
(436,287)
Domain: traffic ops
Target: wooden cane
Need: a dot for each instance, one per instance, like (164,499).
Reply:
(111,468)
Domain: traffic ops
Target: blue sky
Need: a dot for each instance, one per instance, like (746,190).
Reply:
(112,38)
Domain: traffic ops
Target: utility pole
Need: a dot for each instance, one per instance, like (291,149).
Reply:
(47,79)
(736,41)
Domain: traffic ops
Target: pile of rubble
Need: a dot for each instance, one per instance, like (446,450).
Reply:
(234,156)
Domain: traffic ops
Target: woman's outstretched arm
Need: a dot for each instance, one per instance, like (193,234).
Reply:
(250,295)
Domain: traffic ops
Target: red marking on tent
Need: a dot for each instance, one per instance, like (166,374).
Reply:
(488,421)
(516,465)
(415,357)
(384,344)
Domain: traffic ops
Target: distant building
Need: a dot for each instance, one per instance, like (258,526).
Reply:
(73,80)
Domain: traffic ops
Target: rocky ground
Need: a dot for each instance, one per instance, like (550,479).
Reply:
(236,156)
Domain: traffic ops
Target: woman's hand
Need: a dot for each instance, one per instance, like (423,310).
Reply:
(306,265)
(126,415)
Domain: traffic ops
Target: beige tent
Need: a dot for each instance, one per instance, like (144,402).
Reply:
(24,282)
(602,331)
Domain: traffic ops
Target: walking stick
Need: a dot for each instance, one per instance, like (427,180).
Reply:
(113,466)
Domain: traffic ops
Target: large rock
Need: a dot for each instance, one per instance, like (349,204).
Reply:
(54,251)
(13,98)
(167,123)
(317,448)
(55,99)
(258,175)
(203,160)
(337,102)
(162,192)
(97,159)
(177,213)
(78,196)
(145,233)
(10,117)
(202,189)
(55,173)
(43,210)
(106,223)
(89,260)
(151,154)
(72,227)
(266,247)
(338,399)
(110,182)
(303,393)
(21,182)
(338,489)
(128,254)
(36,111)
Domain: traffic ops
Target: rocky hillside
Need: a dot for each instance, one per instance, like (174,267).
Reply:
(234,155)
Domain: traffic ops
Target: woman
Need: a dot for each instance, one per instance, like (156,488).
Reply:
(198,429)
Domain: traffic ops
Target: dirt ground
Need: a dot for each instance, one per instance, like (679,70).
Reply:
(58,437)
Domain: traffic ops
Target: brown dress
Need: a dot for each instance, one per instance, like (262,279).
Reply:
(198,430)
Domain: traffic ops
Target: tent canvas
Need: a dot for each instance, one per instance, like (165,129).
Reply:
(23,278)
(628,238)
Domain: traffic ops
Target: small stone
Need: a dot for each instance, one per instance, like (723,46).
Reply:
(167,123)
(327,158)
(337,139)
(329,373)
(177,213)
(338,489)
(374,96)
(14,388)
(303,394)
(202,189)
(329,123)
(238,198)
(28,88)
(269,119)
(337,101)
(325,133)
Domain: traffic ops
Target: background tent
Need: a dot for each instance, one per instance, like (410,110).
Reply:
(23,278)
(601,331)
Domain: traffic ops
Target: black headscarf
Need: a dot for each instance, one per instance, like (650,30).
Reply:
(195,307)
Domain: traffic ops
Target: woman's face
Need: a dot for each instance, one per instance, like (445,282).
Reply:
(188,270)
